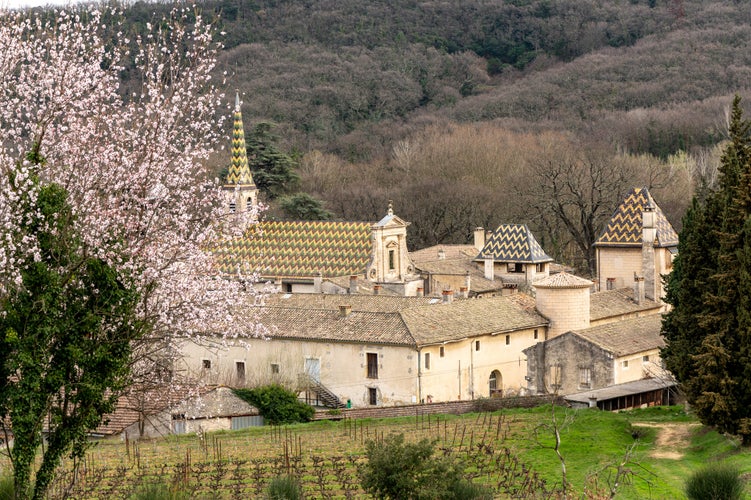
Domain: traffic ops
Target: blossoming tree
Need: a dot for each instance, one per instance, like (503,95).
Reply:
(106,220)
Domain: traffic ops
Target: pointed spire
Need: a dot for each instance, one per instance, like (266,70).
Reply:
(391,208)
(239,171)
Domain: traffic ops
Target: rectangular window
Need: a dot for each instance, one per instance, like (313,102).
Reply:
(240,371)
(540,268)
(508,339)
(477,345)
(625,364)
(440,351)
(373,396)
(392,264)
(515,267)
(372,365)
(555,377)
(274,368)
(206,364)
(585,376)
(645,359)
(427,361)
(535,337)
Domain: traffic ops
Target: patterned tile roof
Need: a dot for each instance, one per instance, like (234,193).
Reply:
(468,318)
(625,226)
(614,303)
(626,337)
(239,171)
(513,243)
(299,249)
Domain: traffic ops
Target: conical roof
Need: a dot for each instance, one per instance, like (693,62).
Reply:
(239,171)
(625,226)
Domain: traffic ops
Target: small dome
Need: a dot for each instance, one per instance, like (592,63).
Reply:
(563,280)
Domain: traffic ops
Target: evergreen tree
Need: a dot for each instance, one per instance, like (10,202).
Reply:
(273,170)
(302,206)
(708,330)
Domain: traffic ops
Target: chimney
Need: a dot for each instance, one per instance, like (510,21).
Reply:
(489,269)
(278,285)
(448,296)
(420,292)
(479,238)
(463,292)
(467,281)
(376,289)
(649,233)
(441,254)
(318,282)
(638,289)
(344,311)
(352,285)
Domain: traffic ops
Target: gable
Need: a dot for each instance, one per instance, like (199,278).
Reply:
(299,249)
(513,243)
(625,226)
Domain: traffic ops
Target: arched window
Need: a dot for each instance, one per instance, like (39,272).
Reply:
(495,383)
(249,204)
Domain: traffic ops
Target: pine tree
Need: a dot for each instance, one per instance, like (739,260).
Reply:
(274,171)
(708,330)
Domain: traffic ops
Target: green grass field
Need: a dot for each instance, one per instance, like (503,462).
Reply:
(511,451)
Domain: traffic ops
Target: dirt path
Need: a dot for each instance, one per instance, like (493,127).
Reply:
(671,440)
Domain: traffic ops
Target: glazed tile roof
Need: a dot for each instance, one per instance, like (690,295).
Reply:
(625,226)
(239,170)
(626,337)
(468,318)
(299,249)
(513,243)
(614,303)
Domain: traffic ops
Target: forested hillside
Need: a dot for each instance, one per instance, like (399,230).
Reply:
(487,111)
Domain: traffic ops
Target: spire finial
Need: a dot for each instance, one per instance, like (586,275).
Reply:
(237,100)
(391,207)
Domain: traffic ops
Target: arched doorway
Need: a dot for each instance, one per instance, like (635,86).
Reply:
(495,384)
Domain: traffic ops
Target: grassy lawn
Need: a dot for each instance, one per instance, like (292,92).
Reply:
(494,447)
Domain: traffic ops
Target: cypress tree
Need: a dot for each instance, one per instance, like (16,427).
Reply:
(708,330)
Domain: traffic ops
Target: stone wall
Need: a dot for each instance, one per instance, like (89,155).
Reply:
(451,407)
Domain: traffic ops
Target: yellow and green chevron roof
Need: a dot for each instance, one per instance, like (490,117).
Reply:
(625,226)
(239,171)
(513,243)
(299,249)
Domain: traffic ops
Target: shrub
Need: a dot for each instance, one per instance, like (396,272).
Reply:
(277,404)
(158,491)
(284,488)
(400,470)
(715,482)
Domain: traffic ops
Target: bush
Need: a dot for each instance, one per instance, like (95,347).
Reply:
(715,482)
(158,491)
(277,404)
(400,470)
(284,488)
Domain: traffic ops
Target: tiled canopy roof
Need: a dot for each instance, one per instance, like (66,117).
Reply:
(563,280)
(513,243)
(299,249)
(625,226)
(239,171)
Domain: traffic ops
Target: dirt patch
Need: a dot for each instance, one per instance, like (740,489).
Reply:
(672,439)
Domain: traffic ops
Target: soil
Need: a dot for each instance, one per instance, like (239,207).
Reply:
(671,440)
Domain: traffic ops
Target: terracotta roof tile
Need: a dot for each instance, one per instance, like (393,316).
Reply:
(626,337)
(562,280)
(468,318)
(612,303)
